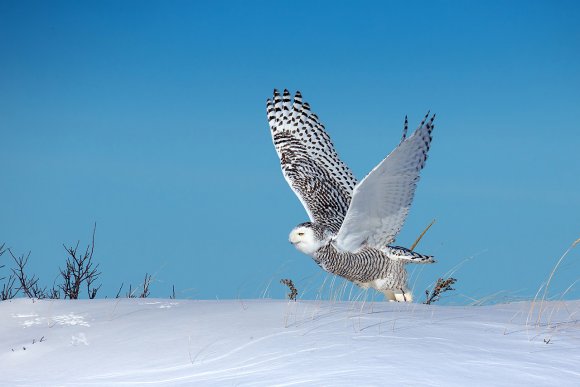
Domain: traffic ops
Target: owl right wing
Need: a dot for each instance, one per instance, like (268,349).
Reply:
(381,201)
(311,166)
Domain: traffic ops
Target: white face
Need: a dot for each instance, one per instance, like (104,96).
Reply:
(304,240)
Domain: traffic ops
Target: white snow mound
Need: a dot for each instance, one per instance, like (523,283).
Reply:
(274,342)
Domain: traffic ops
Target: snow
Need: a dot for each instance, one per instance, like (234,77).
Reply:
(275,342)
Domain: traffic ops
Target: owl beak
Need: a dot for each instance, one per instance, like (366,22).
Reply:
(293,239)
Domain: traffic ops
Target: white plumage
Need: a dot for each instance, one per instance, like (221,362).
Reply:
(351,225)
(381,201)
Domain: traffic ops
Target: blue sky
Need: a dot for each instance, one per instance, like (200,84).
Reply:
(148,118)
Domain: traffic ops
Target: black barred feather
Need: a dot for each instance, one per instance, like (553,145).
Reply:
(369,264)
(363,267)
(405,129)
(309,161)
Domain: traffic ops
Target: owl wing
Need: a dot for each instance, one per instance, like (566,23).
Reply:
(381,201)
(311,166)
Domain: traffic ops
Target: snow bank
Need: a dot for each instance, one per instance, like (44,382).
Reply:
(273,342)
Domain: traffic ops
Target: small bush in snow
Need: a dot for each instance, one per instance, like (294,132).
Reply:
(293,292)
(80,272)
(442,286)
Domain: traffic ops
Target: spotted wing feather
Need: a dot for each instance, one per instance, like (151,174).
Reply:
(381,201)
(309,162)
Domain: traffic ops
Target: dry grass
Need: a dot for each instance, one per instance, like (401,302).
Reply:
(545,287)
(421,236)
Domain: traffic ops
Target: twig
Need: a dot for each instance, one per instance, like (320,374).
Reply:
(146,283)
(119,292)
(28,285)
(7,292)
(421,236)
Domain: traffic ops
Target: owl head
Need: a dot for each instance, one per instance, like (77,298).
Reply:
(307,238)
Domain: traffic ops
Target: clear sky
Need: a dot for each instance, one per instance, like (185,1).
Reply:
(148,118)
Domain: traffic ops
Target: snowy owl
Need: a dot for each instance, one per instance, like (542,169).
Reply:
(352,225)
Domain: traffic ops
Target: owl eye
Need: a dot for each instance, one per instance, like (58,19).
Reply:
(300,233)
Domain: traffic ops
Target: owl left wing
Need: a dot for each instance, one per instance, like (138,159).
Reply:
(381,201)
(309,162)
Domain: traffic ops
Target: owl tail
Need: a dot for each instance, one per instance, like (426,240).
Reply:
(397,252)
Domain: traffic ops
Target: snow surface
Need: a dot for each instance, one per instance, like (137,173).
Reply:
(275,342)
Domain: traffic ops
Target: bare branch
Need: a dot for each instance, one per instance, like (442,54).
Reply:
(146,283)
(80,269)
(2,251)
(119,292)
(28,285)
(130,293)
(8,292)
